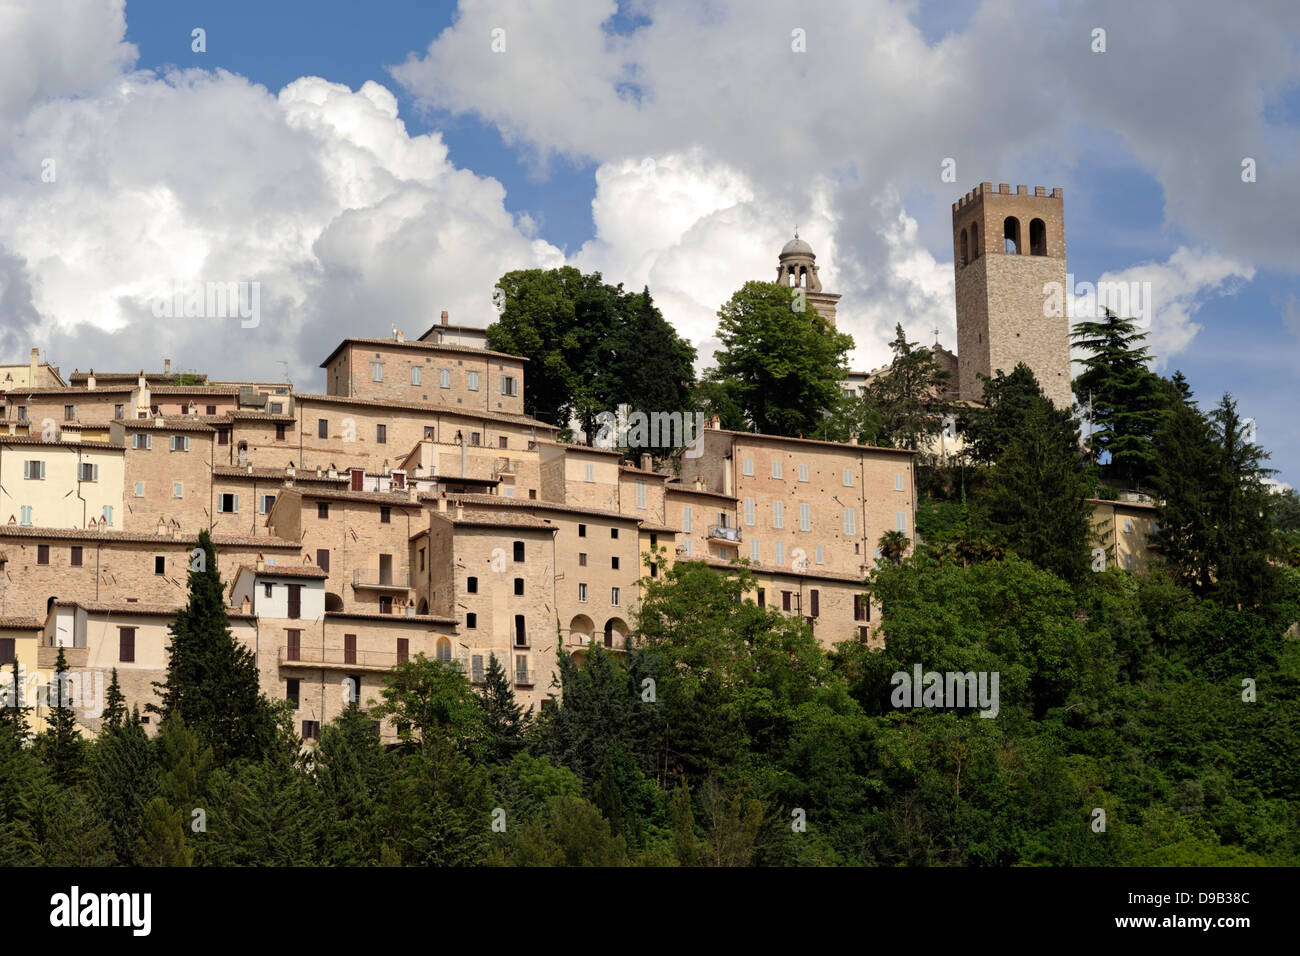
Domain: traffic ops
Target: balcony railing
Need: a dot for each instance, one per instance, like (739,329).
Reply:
(523,677)
(724,533)
(337,657)
(505,466)
(378,582)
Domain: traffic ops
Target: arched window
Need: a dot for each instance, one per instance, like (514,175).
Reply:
(964,258)
(609,633)
(333,602)
(444,650)
(1037,237)
(975,240)
(1011,236)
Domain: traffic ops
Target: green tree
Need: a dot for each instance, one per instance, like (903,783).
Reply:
(62,745)
(352,774)
(162,836)
(1186,456)
(1007,401)
(910,395)
(114,705)
(653,367)
(1122,395)
(504,722)
(122,778)
(787,365)
(13,709)
(429,700)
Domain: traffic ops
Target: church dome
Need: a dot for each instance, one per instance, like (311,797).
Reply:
(796,247)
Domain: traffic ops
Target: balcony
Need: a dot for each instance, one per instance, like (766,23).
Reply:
(504,466)
(724,533)
(377,582)
(339,658)
(523,677)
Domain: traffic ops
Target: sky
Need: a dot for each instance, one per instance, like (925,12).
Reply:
(369,165)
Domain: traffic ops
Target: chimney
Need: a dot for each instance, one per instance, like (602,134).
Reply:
(715,422)
(244,607)
(36,354)
(699,483)
(318,471)
(647,461)
(167,366)
(460,511)
(400,335)
(413,492)
(444,322)
(261,562)
(90,381)
(442,503)
(141,381)
(176,528)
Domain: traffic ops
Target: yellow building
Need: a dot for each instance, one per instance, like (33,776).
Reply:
(20,639)
(1125,530)
(60,484)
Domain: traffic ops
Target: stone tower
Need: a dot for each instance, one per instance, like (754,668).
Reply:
(797,268)
(1006,247)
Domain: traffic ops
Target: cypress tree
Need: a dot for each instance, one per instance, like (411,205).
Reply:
(122,778)
(114,705)
(503,718)
(13,713)
(61,745)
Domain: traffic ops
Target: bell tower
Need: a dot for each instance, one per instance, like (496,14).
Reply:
(797,268)
(1008,248)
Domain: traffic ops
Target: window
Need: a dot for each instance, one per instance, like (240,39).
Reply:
(475,438)
(778,514)
(126,645)
(613,532)
(385,604)
(180,443)
(749,511)
(1128,525)
(803,472)
(861,607)
(444,378)
(754,551)
(640,494)
(295,602)
(785,600)
(422,559)
(613,596)
(376,371)
(403,649)
(780,553)
(508,385)
(22,413)
(582,559)
(322,509)
(267,589)
(747,467)
(762,597)
(178,489)
(1011,236)
(227,504)
(1037,237)
(686,519)
(74,556)
(519,586)
(473,381)
(521,669)
(381,434)
(8,650)
(311,730)
(415,374)
(69,412)
(42,554)
(688,546)
(141,442)
(471,620)
(34,470)
(89,471)
(582,531)
(850,521)
(292,691)
(212,409)
(805,518)
(900,520)
(322,428)
(521,631)
(279,433)
(898,482)
(294,650)
(1128,561)
(349,648)
(385,514)
(119,411)
(223,436)
(504,442)
(588,472)
(613,563)
(821,554)
(582,593)
(814,607)
(848,477)
(159,564)
(108,515)
(471,585)
(139,489)
(776,469)
(519,551)
(25,514)
(265,503)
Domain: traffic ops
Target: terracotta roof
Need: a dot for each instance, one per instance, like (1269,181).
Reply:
(449,326)
(82,377)
(145,610)
(588,449)
(85,534)
(286,571)
(212,389)
(69,390)
(420,345)
(260,416)
(365,497)
(94,445)
(644,471)
(782,572)
(533,503)
(430,409)
(484,520)
(680,488)
(173,423)
(1143,505)
(235,471)
(843,446)
(393,618)
(660,528)
(21,624)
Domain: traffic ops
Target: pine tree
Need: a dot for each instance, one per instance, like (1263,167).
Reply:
(352,774)
(1122,394)
(122,778)
(115,705)
(910,395)
(1007,400)
(212,678)
(162,836)
(62,746)
(504,722)
(14,711)
(1185,454)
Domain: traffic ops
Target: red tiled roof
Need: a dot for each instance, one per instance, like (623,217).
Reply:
(420,345)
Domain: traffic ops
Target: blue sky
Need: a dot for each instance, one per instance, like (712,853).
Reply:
(654,142)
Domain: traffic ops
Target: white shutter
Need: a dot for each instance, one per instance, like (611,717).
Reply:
(805,518)
(850,521)
(749,511)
